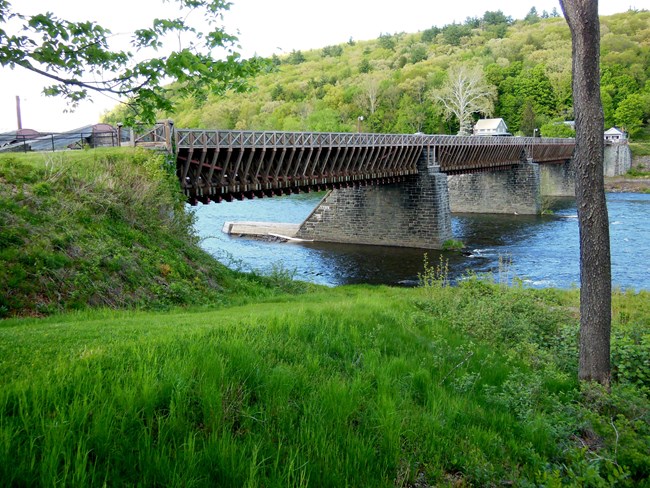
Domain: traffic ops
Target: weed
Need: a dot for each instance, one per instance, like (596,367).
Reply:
(452,245)
(505,276)
(434,276)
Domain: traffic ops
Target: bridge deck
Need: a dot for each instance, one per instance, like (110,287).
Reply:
(216,164)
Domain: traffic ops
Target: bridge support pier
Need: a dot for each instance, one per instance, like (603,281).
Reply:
(413,213)
(558,180)
(618,159)
(516,190)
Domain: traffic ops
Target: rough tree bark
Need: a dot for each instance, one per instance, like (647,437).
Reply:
(593,222)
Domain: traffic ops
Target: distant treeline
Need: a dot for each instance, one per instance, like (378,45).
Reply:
(390,81)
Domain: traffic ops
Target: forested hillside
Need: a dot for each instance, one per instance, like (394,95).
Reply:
(397,82)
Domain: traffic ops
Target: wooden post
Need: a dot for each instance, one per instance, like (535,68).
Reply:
(169,135)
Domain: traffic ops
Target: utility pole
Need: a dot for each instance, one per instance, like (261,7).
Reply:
(20,122)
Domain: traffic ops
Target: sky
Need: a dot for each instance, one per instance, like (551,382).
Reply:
(264,27)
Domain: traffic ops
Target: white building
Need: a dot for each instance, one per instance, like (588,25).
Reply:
(491,127)
(614,135)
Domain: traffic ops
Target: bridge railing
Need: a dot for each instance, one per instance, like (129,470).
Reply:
(160,135)
(248,139)
(280,139)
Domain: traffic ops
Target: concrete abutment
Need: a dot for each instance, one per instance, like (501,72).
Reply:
(618,159)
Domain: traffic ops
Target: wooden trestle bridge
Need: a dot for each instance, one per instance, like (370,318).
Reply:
(213,165)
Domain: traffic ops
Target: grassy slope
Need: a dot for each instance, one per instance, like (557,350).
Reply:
(640,146)
(101,228)
(357,386)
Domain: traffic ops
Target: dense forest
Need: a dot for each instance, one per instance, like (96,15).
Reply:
(395,83)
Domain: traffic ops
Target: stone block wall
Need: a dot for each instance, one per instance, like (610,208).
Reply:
(516,190)
(558,180)
(618,159)
(414,213)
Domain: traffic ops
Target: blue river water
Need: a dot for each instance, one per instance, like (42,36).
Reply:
(542,251)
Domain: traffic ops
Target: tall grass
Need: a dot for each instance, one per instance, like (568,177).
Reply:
(103,228)
(356,386)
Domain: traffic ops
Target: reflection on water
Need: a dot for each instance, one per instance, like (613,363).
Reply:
(541,250)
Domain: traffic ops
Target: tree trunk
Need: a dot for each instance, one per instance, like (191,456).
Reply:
(595,262)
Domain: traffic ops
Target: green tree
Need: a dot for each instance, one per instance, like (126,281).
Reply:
(528,123)
(532,17)
(429,35)
(608,106)
(557,129)
(324,120)
(535,86)
(333,51)
(618,83)
(629,114)
(472,22)
(418,53)
(77,59)
(365,66)
(509,103)
(413,109)
(496,23)
(453,33)
(387,41)
(496,17)
(296,57)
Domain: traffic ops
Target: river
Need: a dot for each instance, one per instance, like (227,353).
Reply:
(542,251)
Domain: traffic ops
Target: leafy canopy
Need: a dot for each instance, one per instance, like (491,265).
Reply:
(77,57)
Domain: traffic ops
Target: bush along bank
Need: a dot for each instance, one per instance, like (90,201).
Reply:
(101,228)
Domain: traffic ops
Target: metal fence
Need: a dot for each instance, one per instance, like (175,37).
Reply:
(60,141)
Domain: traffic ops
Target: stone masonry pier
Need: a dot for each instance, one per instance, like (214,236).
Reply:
(414,213)
(516,190)
(558,180)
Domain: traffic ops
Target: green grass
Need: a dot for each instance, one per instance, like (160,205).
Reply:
(640,148)
(103,228)
(167,369)
(638,172)
(356,386)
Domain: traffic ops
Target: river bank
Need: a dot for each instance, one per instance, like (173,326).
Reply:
(623,184)
(102,228)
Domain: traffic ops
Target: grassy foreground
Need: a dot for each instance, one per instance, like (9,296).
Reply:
(260,381)
(355,386)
